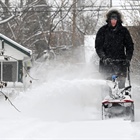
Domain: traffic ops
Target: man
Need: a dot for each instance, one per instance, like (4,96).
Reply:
(114,47)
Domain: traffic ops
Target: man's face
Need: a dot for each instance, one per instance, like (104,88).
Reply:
(114,19)
(113,22)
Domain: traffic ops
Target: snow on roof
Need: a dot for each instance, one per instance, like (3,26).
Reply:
(14,44)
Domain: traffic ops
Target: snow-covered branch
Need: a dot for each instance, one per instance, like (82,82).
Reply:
(7,20)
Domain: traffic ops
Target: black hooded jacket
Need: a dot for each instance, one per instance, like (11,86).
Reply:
(114,42)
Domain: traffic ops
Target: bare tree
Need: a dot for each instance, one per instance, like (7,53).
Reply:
(132,13)
(40,26)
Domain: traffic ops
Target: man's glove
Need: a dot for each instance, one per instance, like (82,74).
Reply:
(126,63)
(107,61)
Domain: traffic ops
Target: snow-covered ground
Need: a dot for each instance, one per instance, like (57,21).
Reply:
(65,104)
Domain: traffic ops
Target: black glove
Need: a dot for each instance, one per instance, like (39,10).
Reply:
(126,63)
(107,61)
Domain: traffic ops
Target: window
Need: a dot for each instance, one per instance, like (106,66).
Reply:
(8,71)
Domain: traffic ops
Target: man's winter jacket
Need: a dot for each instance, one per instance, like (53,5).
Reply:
(114,43)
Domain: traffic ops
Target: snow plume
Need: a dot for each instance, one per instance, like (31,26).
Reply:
(63,92)
(64,103)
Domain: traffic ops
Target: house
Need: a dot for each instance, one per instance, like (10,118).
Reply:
(14,59)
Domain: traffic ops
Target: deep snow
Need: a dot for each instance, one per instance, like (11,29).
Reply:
(65,104)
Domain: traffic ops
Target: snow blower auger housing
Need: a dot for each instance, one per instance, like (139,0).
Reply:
(119,105)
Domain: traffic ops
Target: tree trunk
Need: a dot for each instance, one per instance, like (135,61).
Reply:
(7,3)
(21,3)
(74,24)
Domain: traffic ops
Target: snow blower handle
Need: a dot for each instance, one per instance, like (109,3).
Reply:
(129,76)
(126,88)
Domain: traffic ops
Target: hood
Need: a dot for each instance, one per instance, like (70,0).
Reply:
(114,11)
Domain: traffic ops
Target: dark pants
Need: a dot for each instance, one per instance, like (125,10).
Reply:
(115,69)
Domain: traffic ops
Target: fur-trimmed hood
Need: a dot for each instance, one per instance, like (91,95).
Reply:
(114,11)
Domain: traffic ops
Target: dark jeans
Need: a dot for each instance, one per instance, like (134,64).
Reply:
(120,79)
(120,71)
